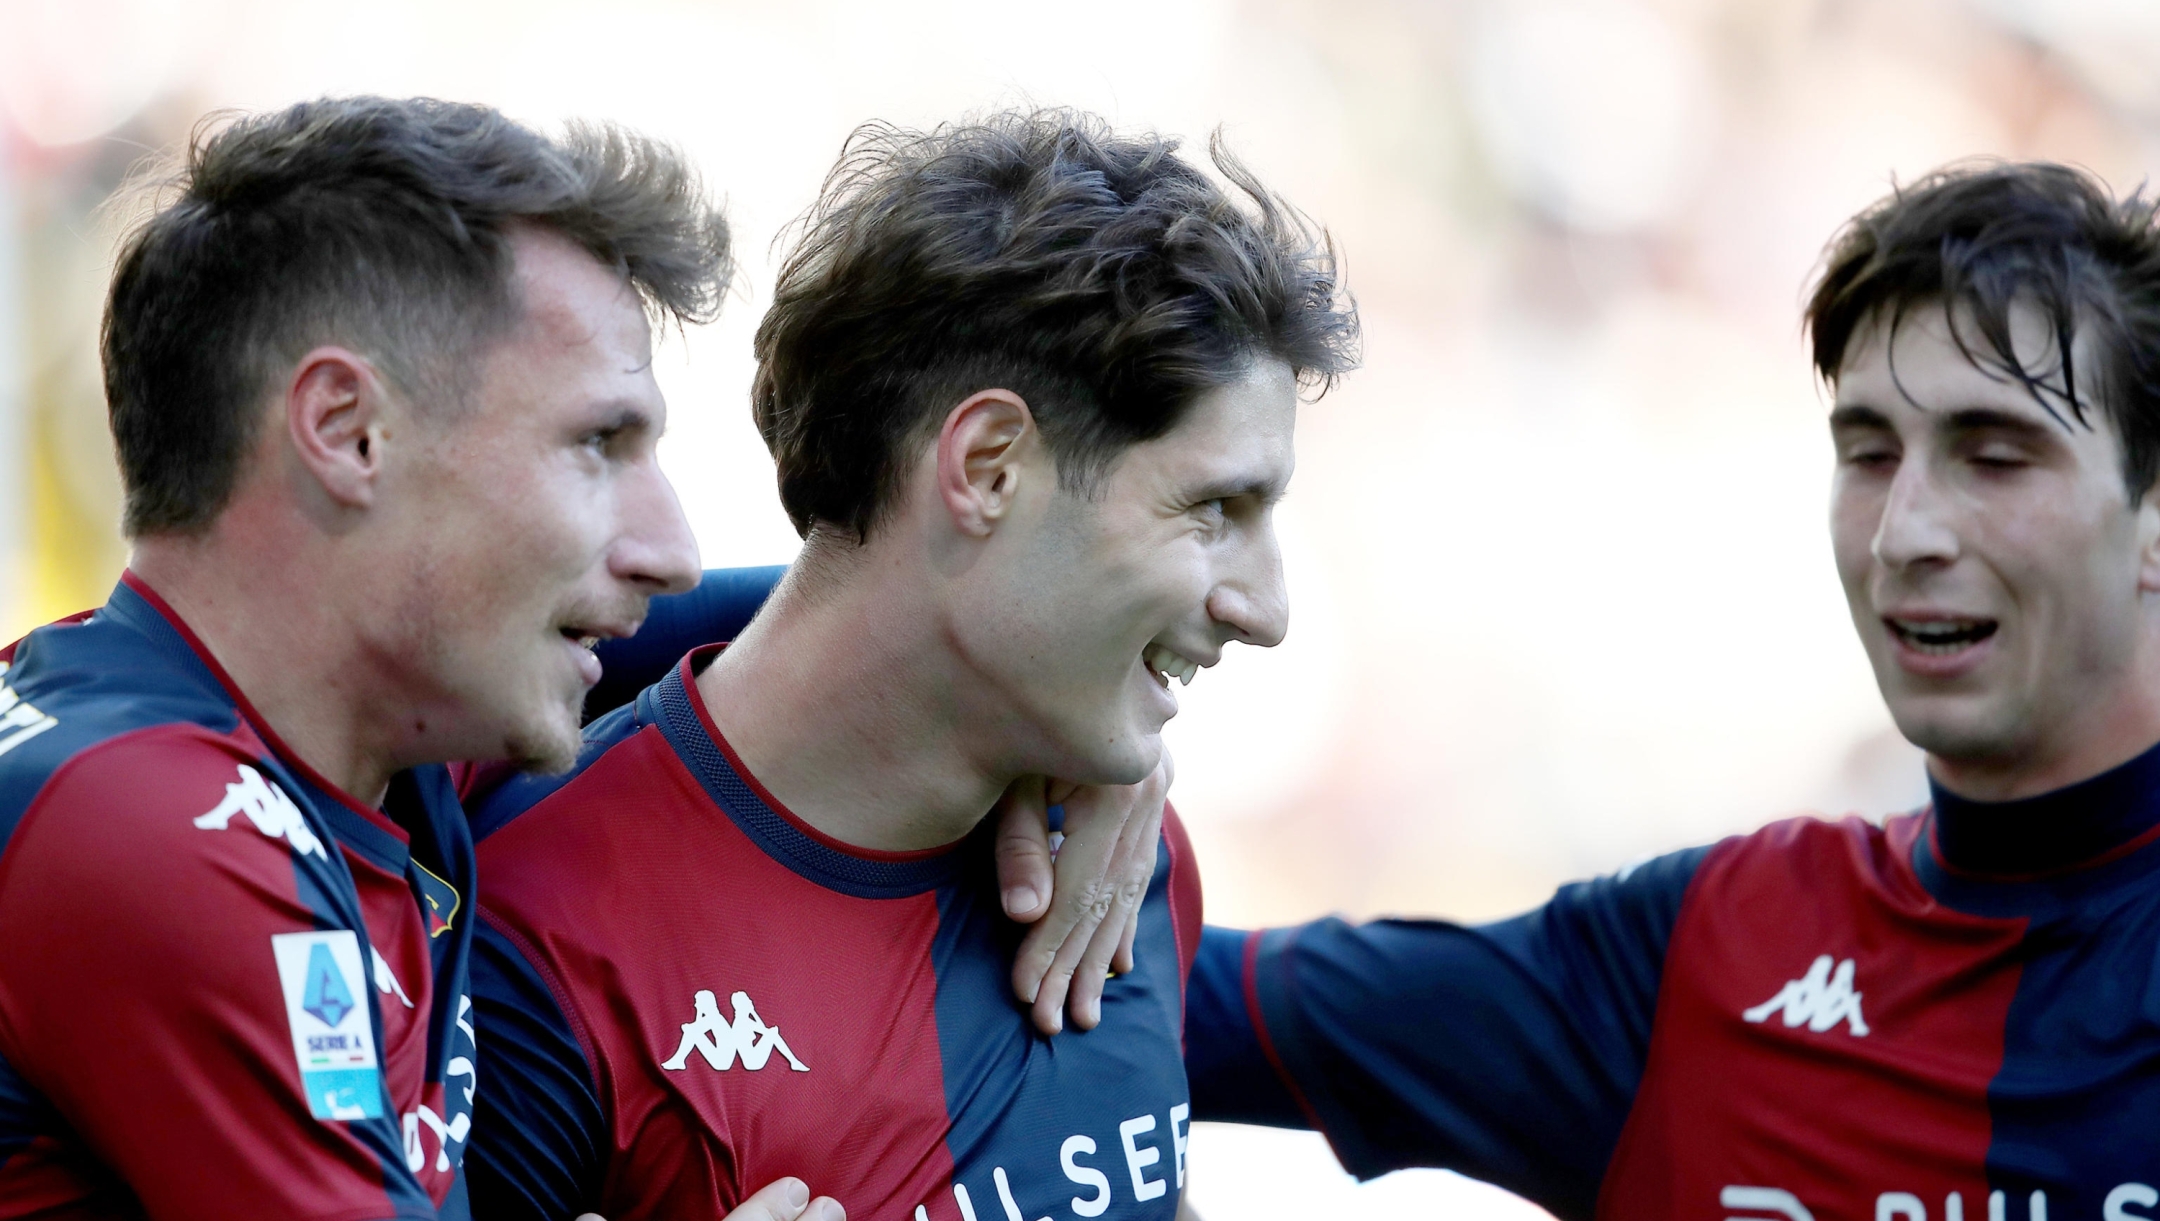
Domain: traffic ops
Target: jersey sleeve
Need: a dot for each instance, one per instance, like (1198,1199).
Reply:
(163,930)
(1509,1051)
(538,1150)
(719,609)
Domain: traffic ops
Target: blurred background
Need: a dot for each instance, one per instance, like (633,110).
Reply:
(1562,593)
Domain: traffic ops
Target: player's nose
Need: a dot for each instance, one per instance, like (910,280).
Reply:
(1252,601)
(654,548)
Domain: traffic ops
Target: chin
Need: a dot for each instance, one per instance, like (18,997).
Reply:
(1975,737)
(546,744)
(1124,760)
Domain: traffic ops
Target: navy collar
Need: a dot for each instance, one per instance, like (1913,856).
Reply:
(2085,824)
(676,707)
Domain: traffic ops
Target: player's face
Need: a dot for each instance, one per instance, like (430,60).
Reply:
(1113,600)
(539,518)
(1995,565)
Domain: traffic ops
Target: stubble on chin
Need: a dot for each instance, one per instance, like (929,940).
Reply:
(548,745)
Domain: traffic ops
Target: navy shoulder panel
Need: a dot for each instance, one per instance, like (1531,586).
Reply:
(1509,1051)
(540,1139)
(522,792)
(718,609)
(72,686)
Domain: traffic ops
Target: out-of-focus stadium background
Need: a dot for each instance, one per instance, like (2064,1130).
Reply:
(1562,596)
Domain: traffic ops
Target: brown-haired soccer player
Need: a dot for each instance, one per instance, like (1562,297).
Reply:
(1030,386)
(1950,1015)
(380,387)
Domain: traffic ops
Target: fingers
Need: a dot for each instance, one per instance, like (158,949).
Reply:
(1023,851)
(1131,872)
(783,1200)
(1121,963)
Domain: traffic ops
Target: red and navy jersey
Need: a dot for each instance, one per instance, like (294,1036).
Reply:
(1951,1017)
(226,989)
(689,992)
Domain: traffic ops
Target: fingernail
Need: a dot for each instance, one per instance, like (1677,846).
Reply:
(798,1194)
(1021,899)
(833,1212)
(1095,1013)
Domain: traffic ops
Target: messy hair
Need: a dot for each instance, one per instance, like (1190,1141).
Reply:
(1097,274)
(379,223)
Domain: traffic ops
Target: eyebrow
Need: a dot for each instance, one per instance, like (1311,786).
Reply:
(627,417)
(1962,420)
(1264,490)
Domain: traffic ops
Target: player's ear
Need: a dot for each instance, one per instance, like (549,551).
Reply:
(335,417)
(981,451)
(2148,536)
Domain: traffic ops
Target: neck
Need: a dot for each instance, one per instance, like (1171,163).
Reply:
(272,620)
(840,698)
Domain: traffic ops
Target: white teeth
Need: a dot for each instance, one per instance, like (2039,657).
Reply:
(1166,665)
(588,642)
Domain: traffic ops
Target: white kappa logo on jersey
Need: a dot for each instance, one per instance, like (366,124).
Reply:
(267,806)
(1818,998)
(19,720)
(720,1042)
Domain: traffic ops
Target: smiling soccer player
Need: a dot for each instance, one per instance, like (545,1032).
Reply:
(1949,1015)
(1030,387)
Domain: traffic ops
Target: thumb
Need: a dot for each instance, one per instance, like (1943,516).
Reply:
(787,1200)
(1023,850)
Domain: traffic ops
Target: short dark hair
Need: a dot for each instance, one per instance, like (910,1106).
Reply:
(1096,274)
(381,223)
(1980,238)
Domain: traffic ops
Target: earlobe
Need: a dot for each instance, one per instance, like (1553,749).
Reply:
(334,421)
(980,452)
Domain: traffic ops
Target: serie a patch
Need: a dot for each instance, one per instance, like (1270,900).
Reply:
(333,1038)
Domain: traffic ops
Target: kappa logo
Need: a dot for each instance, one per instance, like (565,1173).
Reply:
(267,806)
(1820,999)
(721,1042)
(20,721)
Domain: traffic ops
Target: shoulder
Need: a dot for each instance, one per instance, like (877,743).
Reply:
(145,807)
(82,687)
(595,774)
(1809,853)
(1184,889)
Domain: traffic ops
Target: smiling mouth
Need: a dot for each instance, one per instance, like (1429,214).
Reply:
(1164,664)
(1940,637)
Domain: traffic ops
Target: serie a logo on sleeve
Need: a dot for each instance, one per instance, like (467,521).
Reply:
(333,1039)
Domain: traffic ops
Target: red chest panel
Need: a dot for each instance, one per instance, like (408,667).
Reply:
(1825,1037)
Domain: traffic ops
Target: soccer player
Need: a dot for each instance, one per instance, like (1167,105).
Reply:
(1030,389)
(1948,1016)
(380,390)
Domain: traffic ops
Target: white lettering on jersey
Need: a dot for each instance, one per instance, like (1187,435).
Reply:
(1138,1160)
(1764,1200)
(1902,1206)
(2116,1206)
(720,1042)
(1139,1156)
(1819,999)
(19,720)
(267,806)
(1086,1176)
